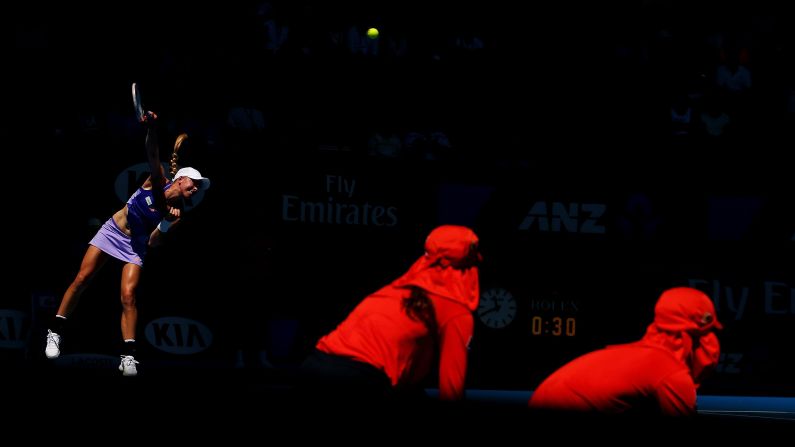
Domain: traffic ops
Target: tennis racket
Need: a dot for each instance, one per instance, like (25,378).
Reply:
(139,107)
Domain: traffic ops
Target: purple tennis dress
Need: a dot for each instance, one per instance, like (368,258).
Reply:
(142,220)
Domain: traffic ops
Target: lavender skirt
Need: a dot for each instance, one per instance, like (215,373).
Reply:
(114,242)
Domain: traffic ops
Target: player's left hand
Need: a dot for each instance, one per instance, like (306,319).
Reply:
(173,214)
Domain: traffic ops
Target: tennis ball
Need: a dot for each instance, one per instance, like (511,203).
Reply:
(372,33)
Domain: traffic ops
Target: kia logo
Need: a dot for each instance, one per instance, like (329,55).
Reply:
(177,335)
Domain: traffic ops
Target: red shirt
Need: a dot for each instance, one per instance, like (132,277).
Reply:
(380,333)
(620,378)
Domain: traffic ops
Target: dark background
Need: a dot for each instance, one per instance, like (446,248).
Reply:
(566,104)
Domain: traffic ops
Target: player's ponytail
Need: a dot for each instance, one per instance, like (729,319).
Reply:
(174,156)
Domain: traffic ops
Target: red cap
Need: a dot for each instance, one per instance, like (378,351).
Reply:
(452,245)
(685,309)
(449,266)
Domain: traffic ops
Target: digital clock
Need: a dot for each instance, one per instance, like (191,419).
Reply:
(555,326)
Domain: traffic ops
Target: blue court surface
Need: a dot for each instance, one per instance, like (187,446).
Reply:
(740,407)
(774,408)
(173,405)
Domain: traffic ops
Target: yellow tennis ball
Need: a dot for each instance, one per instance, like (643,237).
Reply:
(372,33)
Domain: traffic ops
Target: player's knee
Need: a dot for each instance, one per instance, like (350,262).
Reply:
(128,298)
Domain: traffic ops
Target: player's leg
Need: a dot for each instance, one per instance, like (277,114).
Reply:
(93,260)
(130,277)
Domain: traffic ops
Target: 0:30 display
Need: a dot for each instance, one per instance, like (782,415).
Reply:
(556,326)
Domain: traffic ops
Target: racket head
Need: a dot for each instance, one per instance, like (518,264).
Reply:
(139,107)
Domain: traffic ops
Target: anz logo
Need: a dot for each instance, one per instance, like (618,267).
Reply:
(570,217)
(177,335)
(12,335)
